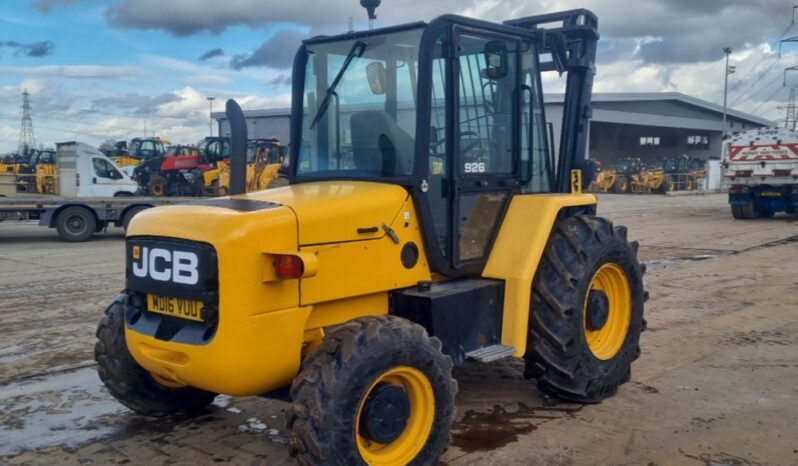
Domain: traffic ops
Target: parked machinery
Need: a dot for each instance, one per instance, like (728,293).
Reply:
(677,175)
(618,178)
(12,163)
(355,290)
(264,160)
(179,173)
(665,174)
(140,149)
(698,170)
(39,175)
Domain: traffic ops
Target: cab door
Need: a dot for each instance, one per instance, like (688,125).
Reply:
(105,179)
(485,172)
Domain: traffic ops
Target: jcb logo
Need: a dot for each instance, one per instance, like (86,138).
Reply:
(164,265)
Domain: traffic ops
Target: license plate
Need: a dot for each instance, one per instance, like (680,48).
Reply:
(175,307)
(770,194)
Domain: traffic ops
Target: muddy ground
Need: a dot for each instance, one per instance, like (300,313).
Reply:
(717,383)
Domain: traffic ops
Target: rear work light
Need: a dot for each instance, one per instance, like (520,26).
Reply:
(288,266)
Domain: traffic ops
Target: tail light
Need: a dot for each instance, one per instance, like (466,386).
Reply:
(288,266)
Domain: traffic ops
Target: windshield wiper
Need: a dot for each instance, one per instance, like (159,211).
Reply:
(357,49)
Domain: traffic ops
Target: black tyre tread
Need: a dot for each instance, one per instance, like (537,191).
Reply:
(557,354)
(313,391)
(737,212)
(131,384)
(748,211)
(91,222)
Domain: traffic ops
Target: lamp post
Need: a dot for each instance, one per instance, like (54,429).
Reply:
(729,70)
(210,115)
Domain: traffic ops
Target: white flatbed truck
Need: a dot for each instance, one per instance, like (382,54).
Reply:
(93,193)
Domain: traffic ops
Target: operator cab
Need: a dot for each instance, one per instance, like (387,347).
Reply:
(147,148)
(452,110)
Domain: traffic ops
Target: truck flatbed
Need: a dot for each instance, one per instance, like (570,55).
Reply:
(78,218)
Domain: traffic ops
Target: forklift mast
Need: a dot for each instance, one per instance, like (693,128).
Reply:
(572,45)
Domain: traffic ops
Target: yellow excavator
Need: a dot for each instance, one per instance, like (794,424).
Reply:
(354,291)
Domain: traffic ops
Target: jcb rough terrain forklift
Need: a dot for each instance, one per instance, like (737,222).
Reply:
(141,149)
(355,290)
(264,159)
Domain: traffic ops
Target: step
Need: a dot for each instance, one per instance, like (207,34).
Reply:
(491,353)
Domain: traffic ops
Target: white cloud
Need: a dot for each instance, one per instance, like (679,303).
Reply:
(72,71)
(210,79)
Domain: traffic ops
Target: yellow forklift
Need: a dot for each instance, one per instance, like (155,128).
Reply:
(447,231)
(140,149)
(264,159)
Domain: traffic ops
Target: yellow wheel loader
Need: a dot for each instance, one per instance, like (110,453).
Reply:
(427,223)
(605,180)
(619,178)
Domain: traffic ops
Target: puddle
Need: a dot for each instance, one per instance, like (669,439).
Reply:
(486,431)
(678,261)
(60,409)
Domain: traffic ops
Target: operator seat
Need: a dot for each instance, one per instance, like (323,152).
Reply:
(380,145)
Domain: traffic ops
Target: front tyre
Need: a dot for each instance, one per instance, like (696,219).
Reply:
(377,391)
(128,382)
(586,311)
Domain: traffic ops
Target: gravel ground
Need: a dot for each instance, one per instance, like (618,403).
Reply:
(717,382)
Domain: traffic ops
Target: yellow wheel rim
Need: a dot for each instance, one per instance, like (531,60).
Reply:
(606,341)
(404,448)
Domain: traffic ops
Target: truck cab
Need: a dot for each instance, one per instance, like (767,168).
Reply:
(84,171)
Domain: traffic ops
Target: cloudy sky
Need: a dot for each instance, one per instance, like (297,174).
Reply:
(100,69)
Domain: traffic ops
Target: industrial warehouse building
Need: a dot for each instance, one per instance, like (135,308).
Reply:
(643,125)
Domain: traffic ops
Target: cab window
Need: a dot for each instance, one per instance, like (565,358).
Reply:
(103,169)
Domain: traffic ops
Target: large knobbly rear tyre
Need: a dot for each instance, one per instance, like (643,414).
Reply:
(128,382)
(377,391)
(586,311)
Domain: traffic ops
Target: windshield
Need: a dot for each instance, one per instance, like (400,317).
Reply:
(264,151)
(626,165)
(368,128)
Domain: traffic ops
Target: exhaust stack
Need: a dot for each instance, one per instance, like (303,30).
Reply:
(238,148)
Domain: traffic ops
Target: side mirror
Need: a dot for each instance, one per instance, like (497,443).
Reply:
(375,72)
(495,59)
